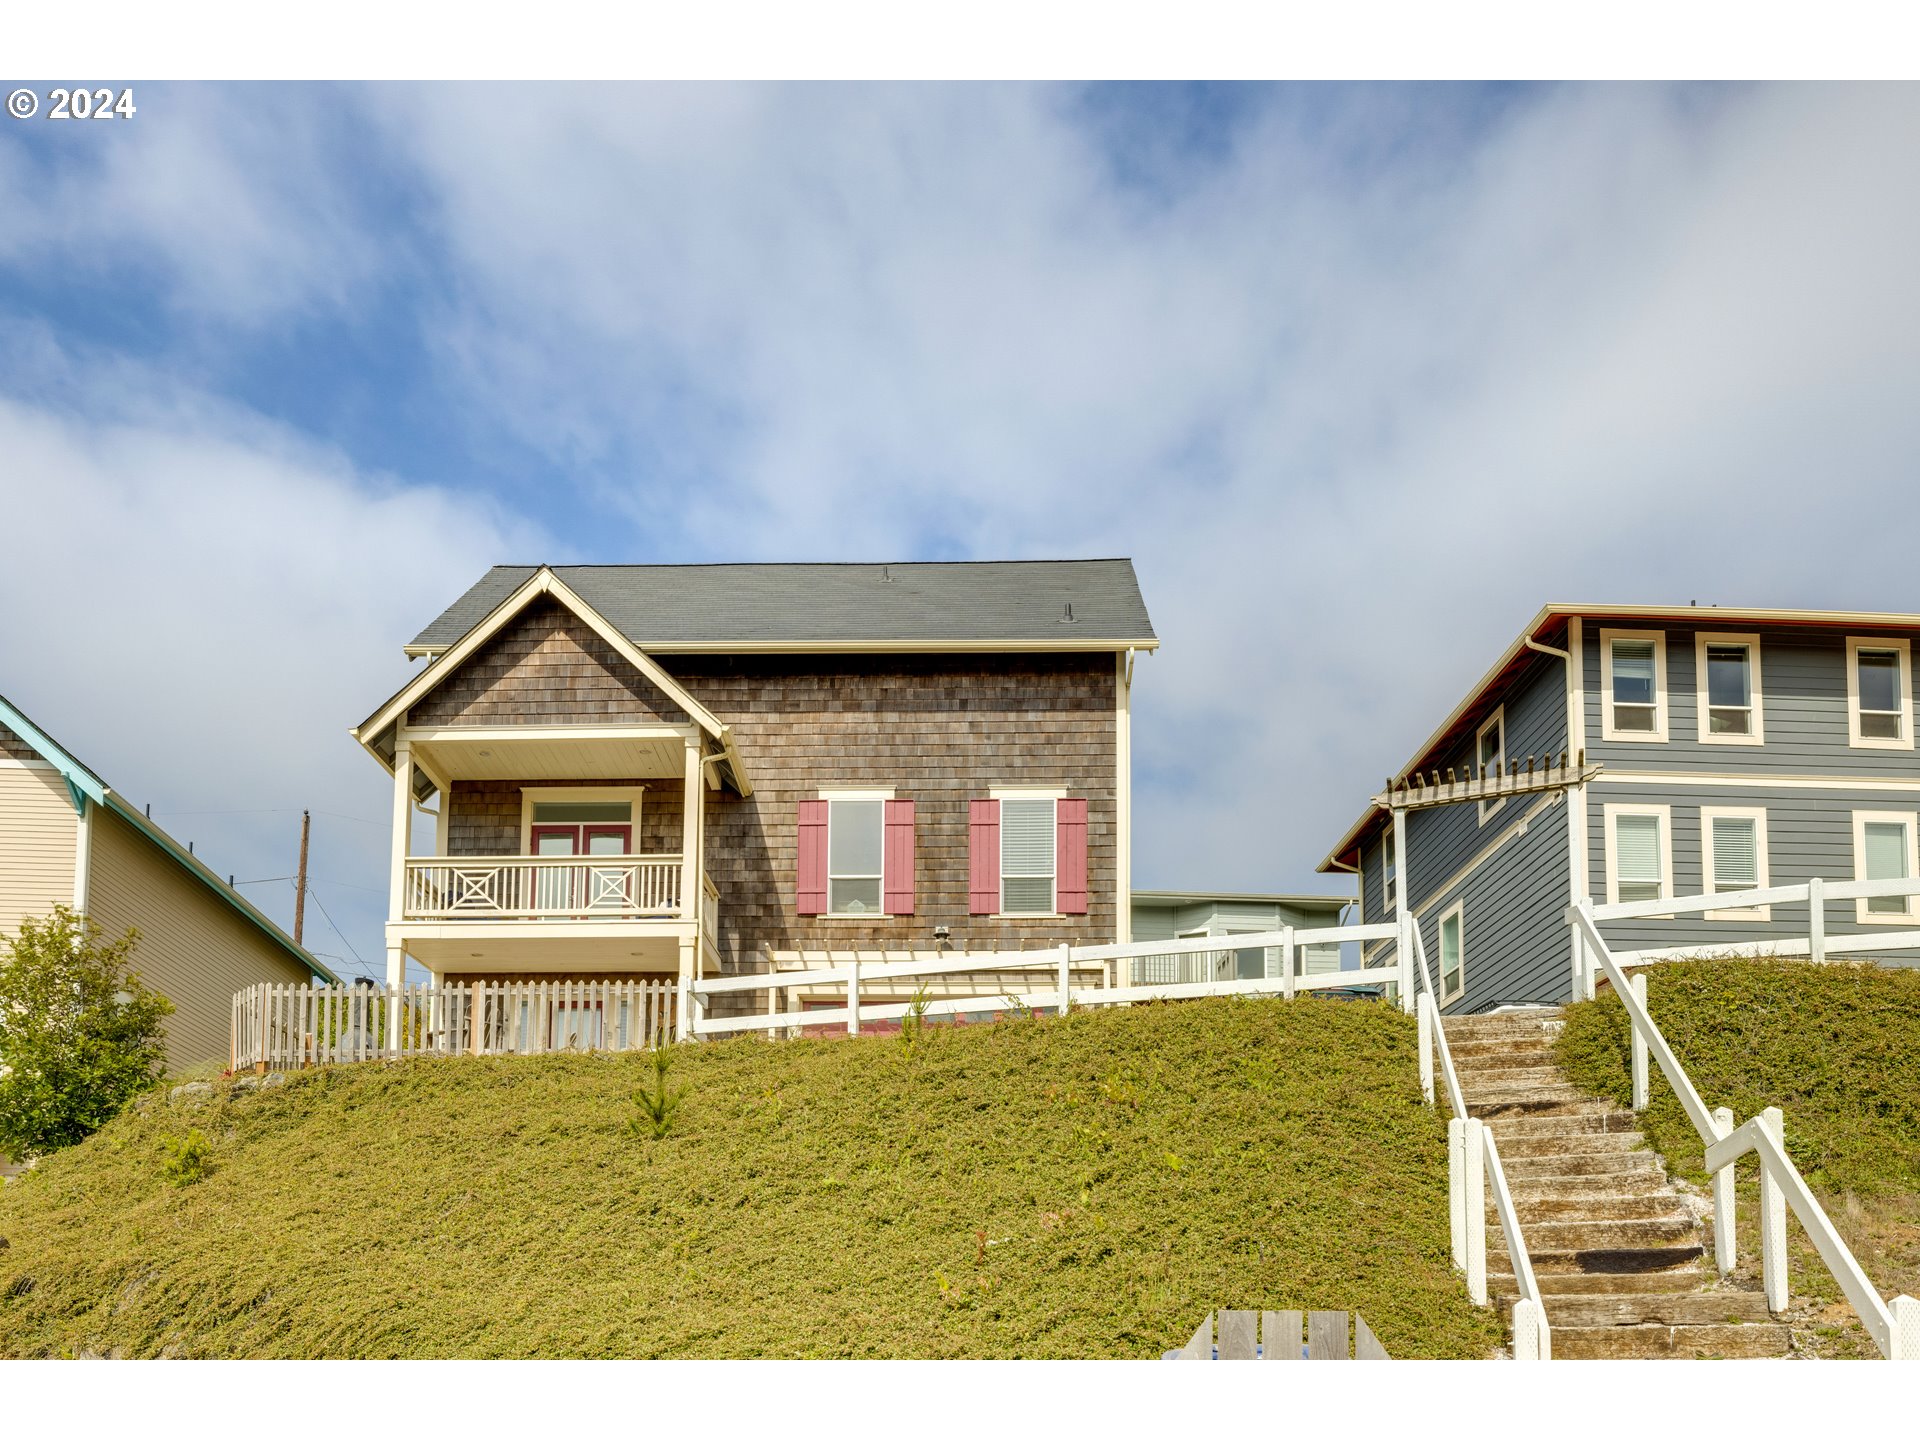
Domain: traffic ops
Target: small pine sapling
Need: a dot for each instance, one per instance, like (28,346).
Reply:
(657,1103)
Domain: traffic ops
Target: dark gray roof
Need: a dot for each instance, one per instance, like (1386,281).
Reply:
(1021,601)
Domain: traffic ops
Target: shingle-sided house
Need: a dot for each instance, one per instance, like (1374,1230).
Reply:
(675,770)
(68,838)
(1707,749)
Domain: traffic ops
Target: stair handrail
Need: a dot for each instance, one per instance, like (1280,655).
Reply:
(1532,1335)
(1894,1328)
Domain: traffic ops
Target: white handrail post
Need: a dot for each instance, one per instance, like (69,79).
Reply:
(1457,1188)
(853,996)
(1816,919)
(1639,983)
(1066,978)
(1286,961)
(1773,1217)
(1426,1046)
(1527,1325)
(1906,1328)
(1474,1198)
(1726,1247)
(1404,916)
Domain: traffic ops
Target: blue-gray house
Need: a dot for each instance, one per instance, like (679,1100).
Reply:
(1634,752)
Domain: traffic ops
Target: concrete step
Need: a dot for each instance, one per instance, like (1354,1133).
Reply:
(1704,1307)
(1627,1184)
(1569,1146)
(1680,1279)
(1605,1235)
(1549,1259)
(1553,1209)
(1585,1117)
(1581,1165)
(1658,1342)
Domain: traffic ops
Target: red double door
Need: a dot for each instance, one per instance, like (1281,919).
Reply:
(582,887)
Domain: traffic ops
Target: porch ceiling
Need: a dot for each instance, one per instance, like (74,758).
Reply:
(549,756)
(471,954)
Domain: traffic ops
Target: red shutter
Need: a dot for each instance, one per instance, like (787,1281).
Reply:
(1070,856)
(896,866)
(983,870)
(811,891)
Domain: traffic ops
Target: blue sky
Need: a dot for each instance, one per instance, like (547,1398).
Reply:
(1359,375)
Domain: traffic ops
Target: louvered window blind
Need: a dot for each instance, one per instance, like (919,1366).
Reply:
(1736,854)
(1636,844)
(1026,856)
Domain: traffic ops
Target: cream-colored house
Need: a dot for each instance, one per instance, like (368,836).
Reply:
(66,838)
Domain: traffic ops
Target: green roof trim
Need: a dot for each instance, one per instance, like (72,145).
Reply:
(83,786)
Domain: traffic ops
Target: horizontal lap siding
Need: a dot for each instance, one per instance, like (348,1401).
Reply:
(193,948)
(1517,946)
(1809,832)
(38,831)
(940,730)
(1803,682)
(546,667)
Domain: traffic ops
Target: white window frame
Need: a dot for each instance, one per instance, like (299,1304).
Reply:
(1757,814)
(1657,735)
(576,795)
(869,794)
(1902,648)
(1665,815)
(1455,911)
(1056,794)
(1861,819)
(1497,720)
(1701,640)
(1389,877)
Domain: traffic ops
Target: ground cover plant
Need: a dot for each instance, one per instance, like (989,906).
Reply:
(1087,1186)
(1837,1048)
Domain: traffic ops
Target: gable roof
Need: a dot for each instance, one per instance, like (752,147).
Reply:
(1551,618)
(770,608)
(84,785)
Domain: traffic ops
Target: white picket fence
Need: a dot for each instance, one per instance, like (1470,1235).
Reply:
(1894,1326)
(288,1027)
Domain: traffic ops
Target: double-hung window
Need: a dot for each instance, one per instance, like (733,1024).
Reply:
(1490,750)
(1633,685)
(1879,694)
(1733,854)
(1639,853)
(856,830)
(1027,829)
(1727,689)
(1883,849)
(1453,953)
(1389,876)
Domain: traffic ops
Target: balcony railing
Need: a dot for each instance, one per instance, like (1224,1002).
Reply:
(543,887)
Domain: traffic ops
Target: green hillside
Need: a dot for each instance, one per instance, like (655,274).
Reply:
(1837,1048)
(1088,1187)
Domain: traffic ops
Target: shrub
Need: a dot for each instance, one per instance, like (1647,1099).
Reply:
(658,1105)
(79,1035)
(187,1157)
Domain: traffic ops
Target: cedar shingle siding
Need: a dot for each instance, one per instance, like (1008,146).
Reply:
(484,816)
(545,668)
(940,730)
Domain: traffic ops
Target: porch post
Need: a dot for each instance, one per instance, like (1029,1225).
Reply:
(692,891)
(396,900)
(689,952)
(1403,917)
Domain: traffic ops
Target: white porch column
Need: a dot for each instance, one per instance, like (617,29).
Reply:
(396,899)
(692,892)
(689,958)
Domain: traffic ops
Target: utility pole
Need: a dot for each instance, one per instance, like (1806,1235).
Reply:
(300,881)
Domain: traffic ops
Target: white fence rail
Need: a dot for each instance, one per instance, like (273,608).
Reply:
(1083,975)
(1894,1327)
(541,887)
(1816,895)
(288,1027)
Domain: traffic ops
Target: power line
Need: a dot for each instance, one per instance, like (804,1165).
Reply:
(330,921)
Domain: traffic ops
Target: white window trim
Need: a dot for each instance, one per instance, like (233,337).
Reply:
(856,793)
(1863,818)
(574,794)
(1711,813)
(1030,792)
(1665,813)
(1701,640)
(1498,719)
(1902,648)
(1658,735)
(1388,876)
(1455,911)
